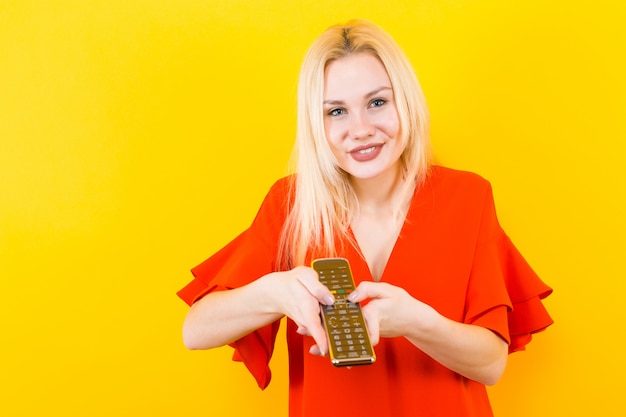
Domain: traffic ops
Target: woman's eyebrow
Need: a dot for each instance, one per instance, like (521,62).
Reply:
(370,94)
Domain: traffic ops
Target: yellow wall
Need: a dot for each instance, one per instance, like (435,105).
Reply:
(137,137)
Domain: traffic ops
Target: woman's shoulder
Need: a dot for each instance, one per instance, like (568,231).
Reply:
(282,187)
(279,197)
(455,179)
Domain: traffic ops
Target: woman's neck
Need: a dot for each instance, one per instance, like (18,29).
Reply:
(379,195)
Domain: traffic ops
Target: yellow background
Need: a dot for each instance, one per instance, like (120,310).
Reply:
(138,137)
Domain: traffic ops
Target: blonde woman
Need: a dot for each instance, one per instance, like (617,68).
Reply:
(445,294)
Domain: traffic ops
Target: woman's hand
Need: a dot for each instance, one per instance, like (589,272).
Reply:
(384,314)
(472,351)
(390,310)
(299,297)
(225,316)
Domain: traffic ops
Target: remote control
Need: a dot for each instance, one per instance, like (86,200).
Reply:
(345,326)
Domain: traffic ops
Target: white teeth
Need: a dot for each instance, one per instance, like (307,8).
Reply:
(368,150)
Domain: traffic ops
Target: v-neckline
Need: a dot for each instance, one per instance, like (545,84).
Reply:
(398,240)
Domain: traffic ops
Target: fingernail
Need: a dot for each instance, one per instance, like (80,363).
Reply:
(315,350)
(329,299)
(352,296)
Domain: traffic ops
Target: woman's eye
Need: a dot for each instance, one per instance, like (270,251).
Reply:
(378,102)
(336,112)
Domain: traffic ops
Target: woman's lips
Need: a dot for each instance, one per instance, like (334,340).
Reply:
(366,153)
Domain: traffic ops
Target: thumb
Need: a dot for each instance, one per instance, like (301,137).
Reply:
(368,289)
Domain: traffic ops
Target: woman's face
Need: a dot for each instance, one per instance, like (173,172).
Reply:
(360,117)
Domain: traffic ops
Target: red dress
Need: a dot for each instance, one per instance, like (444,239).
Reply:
(451,254)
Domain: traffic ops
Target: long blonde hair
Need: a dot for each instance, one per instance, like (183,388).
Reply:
(323,199)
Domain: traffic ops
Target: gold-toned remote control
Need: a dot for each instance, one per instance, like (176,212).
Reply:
(345,326)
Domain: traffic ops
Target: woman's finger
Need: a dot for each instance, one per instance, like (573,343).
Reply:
(309,278)
(373,326)
(367,290)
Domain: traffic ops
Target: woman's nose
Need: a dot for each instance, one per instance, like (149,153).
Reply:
(361,126)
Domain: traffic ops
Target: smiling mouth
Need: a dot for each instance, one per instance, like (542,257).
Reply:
(366,150)
(366,153)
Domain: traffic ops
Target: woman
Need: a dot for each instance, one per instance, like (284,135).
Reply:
(446,295)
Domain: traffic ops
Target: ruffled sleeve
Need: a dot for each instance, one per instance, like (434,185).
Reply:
(526,291)
(248,257)
(206,275)
(502,277)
